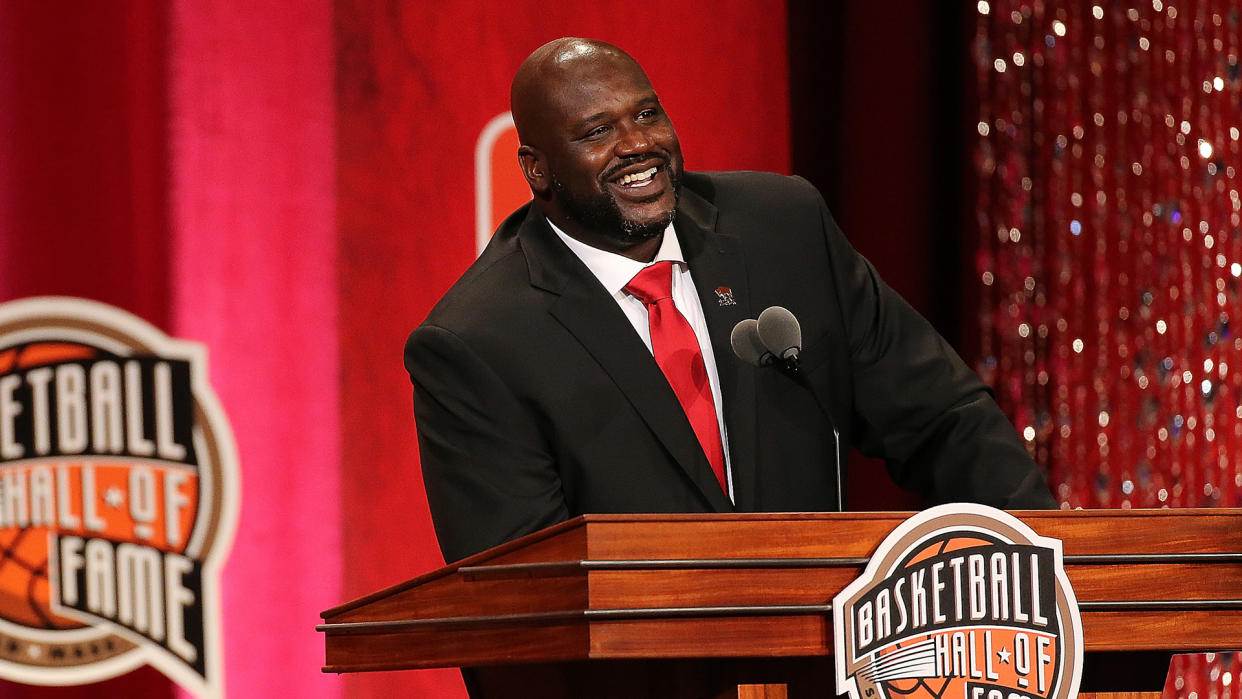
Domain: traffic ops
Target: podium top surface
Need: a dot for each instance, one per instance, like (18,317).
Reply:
(599,541)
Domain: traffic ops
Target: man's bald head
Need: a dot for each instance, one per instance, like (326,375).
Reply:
(552,67)
(601,156)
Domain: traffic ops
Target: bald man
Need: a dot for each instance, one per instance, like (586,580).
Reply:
(550,382)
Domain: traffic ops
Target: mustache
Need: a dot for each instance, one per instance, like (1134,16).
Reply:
(628,160)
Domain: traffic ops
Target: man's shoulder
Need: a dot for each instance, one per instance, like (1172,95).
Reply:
(492,286)
(725,187)
(755,203)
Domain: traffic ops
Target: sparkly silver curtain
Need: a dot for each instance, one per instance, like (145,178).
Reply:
(1110,251)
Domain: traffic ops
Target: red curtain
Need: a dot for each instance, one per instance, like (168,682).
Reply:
(1108,214)
(253,276)
(83,196)
(176,161)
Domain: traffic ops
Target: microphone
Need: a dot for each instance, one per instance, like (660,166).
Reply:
(775,339)
(747,345)
(781,334)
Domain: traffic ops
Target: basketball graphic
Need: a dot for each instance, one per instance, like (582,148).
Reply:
(23,550)
(959,601)
(118,489)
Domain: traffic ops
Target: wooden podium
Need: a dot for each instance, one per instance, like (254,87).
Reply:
(698,605)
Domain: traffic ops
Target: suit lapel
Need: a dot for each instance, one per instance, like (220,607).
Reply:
(719,270)
(586,310)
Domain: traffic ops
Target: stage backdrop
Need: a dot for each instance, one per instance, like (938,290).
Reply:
(293,185)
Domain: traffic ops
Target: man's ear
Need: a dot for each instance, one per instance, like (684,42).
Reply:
(535,169)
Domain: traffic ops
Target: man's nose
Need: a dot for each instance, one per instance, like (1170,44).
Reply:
(633,139)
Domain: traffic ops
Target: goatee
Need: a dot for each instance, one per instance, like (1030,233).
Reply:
(600,213)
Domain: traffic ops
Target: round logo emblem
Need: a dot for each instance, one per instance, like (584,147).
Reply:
(118,498)
(960,601)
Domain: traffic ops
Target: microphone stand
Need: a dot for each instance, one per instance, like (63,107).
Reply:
(789,366)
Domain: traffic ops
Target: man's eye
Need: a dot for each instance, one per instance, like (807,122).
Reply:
(597,131)
(648,114)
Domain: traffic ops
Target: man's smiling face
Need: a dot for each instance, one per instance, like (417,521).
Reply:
(611,154)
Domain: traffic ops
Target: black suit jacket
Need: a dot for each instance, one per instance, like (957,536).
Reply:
(536,401)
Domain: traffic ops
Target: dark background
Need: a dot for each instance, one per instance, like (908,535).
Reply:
(882,122)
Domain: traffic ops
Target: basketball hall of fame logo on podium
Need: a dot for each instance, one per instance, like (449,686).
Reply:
(964,602)
(118,498)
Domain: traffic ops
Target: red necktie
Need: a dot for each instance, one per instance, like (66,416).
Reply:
(676,350)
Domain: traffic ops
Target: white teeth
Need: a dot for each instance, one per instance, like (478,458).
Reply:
(639,177)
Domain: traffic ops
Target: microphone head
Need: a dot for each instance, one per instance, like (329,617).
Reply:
(746,344)
(780,332)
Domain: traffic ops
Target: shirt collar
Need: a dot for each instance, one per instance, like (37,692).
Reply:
(615,271)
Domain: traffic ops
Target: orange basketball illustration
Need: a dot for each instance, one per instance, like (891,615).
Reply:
(24,594)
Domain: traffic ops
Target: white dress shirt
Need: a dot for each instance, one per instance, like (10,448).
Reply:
(615,271)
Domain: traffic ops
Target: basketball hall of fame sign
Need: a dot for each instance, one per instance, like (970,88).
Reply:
(118,498)
(963,602)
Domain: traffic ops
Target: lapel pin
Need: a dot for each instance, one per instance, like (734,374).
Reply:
(724,296)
